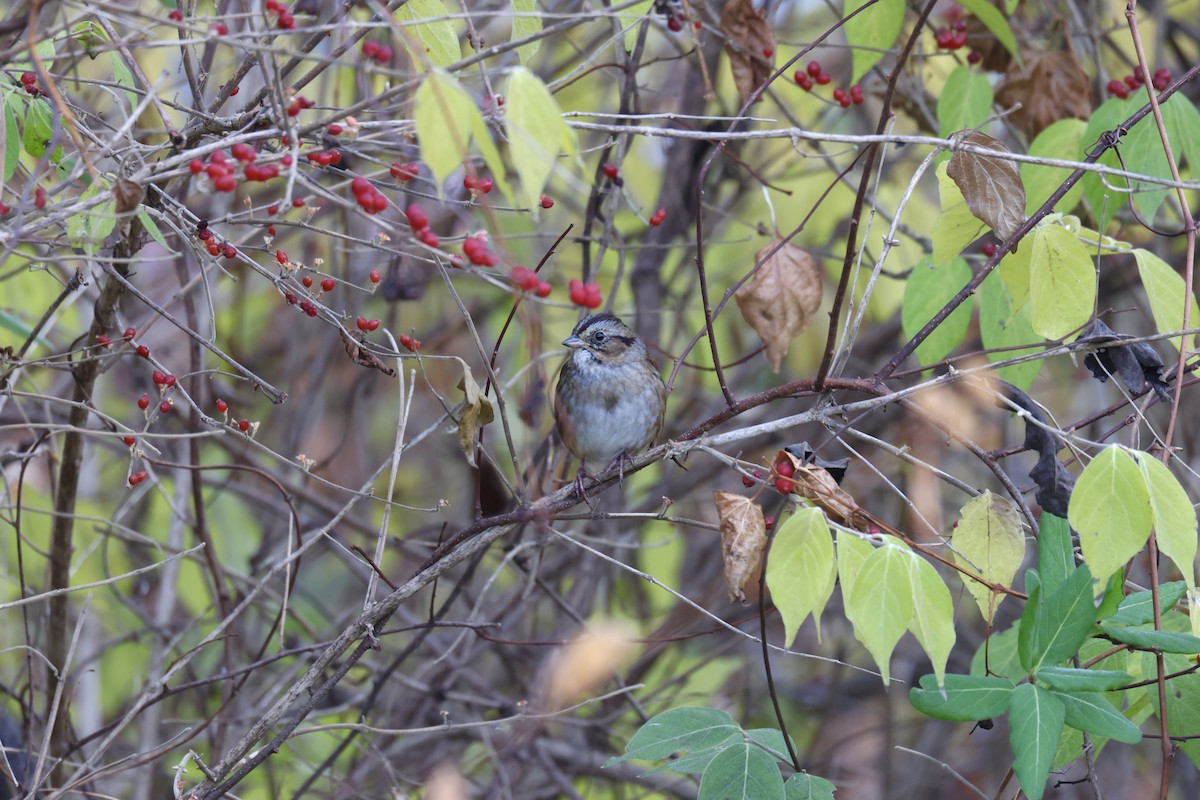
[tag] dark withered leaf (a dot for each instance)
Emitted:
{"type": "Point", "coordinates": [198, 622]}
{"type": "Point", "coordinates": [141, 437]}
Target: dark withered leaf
{"type": "Point", "coordinates": [750, 44]}
{"type": "Point", "coordinates": [127, 195]}
{"type": "Point", "coordinates": [1047, 87]}
{"type": "Point", "coordinates": [1054, 482]}
{"type": "Point", "coordinates": [991, 186]}
{"type": "Point", "coordinates": [1138, 365]}
{"type": "Point", "coordinates": [835, 467]}
{"type": "Point", "coordinates": [362, 356]}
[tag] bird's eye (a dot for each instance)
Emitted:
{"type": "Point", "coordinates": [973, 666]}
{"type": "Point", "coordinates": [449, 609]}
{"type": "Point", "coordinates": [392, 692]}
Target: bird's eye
{"type": "Point", "coordinates": [598, 337]}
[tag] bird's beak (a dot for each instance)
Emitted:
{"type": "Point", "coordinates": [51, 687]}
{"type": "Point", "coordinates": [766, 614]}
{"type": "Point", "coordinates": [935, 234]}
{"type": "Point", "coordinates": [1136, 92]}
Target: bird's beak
{"type": "Point", "coordinates": [573, 342]}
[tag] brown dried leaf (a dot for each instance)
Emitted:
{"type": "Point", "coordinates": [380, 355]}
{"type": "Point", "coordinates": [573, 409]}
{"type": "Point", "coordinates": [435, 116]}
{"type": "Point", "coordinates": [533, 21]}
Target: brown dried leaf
{"type": "Point", "coordinates": [743, 539]}
{"type": "Point", "coordinates": [362, 356]}
{"type": "Point", "coordinates": [782, 298]}
{"type": "Point", "coordinates": [127, 194]}
{"type": "Point", "coordinates": [1049, 87]}
{"type": "Point", "coordinates": [816, 484]}
{"type": "Point", "coordinates": [476, 412]}
{"type": "Point", "coordinates": [750, 43]}
{"type": "Point", "coordinates": [991, 186]}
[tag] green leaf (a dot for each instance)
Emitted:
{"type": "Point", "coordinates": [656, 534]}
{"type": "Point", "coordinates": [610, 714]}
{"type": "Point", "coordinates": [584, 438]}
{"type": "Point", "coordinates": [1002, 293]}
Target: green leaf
{"type": "Point", "coordinates": [956, 227]}
{"type": "Point", "coordinates": [1110, 508]}
{"type": "Point", "coordinates": [965, 101]}
{"type": "Point", "coordinates": [428, 22]}
{"type": "Point", "coordinates": [88, 229]}
{"type": "Point", "coordinates": [1183, 701]}
{"type": "Point", "coordinates": [12, 136]}
{"type": "Point", "coordinates": [1143, 152]}
{"type": "Point", "coordinates": [882, 599]}
{"type": "Point", "coordinates": [998, 656]}
{"type": "Point", "coordinates": [872, 33]}
{"type": "Point", "coordinates": [1091, 713]}
{"type": "Point", "coordinates": [967, 698]}
{"type": "Point", "coordinates": [1061, 140]}
{"type": "Point", "coordinates": [680, 730]}
{"type": "Point", "coordinates": [1035, 720]}
{"type": "Point", "coordinates": [1166, 290]}
{"type": "Point", "coordinates": [39, 126]}
{"type": "Point", "coordinates": [1174, 516]}
{"type": "Point", "coordinates": [152, 228]}
{"type": "Point", "coordinates": [123, 76]}
{"type": "Point", "coordinates": [1002, 326]}
{"type": "Point", "coordinates": [852, 551]}
{"type": "Point", "coordinates": [1060, 623]}
{"type": "Point", "coordinates": [741, 772]}
{"type": "Point", "coordinates": [933, 614]}
{"type": "Point", "coordinates": [989, 542]}
{"type": "Point", "coordinates": [537, 133]}
{"type": "Point", "coordinates": [926, 291]}
{"type": "Point", "coordinates": [1014, 271]}
{"type": "Point", "coordinates": [1146, 639]}
{"type": "Point", "coordinates": [1056, 556]}
{"type": "Point", "coordinates": [526, 21]}
{"type": "Point", "coordinates": [803, 786]}
{"type": "Point", "coordinates": [1104, 203]}
{"type": "Point", "coordinates": [1070, 679]}
{"type": "Point", "coordinates": [45, 50]}
{"type": "Point", "coordinates": [1138, 608]}
{"type": "Point", "coordinates": [1111, 596]}
{"type": "Point", "coordinates": [1062, 282]}
{"type": "Point", "coordinates": [446, 120]}
{"type": "Point", "coordinates": [995, 22]}
{"type": "Point", "coordinates": [1183, 126]}
{"type": "Point", "coordinates": [802, 570]}
{"type": "Point", "coordinates": [630, 19]}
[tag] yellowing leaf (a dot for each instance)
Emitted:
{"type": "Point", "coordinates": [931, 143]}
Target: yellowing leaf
{"type": "Point", "coordinates": [1059, 140]}
{"type": "Point", "coordinates": [749, 38]}
{"type": "Point", "coordinates": [526, 21]}
{"type": "Point", "coordinates": [991, 186]}
{"type": "Point", "coordinates": [882, 598]}
{"type": "Point", "coordinates": [781, 298]}
{"type": "Point", "coordinates": [1174, 516]}
{"type": "Point", "coordinates": [933, 615]}
{"type": "Point", "coordinates": [801, 570]}
{"type": "Point", "coordinates": [476, 412]}
{"type": "Point", "coordinates": [852, 551]}
{"type": "Point", "coordinates": [1062, 282]}
{"type": "Point", "coordinates": [743, 538]}
{"type": "Point", "coordinates": [1110, 507]}
{"type": "Point", "coordinates": [990, 543]}
{"type": "Point", "coordinates": [631, 19]}
{"type": "Point", "coordinates": [446, 120]}
{"type": "Point", "coordinates": [429, 23]}
{"type": "Point", "coordinates": [872, 33]}
{"type": "Point", "coordinates": [537, 133]}
{"type": "Point", "coordinates": [1166, 291]}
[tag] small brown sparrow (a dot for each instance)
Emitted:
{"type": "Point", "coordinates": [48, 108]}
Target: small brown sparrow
{"type": "Point", "coordinates": [610, 399]}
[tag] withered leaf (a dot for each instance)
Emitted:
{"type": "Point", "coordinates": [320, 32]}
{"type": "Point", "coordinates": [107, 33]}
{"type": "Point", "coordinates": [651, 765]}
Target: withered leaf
{"type": "Point", "coordinates": [743, 539]}
{"type": "Point", "coordinates": [1048, 87]}
{"type": "Point", "coordinates": [476, 412]}
{"type": "Point", "coordinates": [362, 356]}
{"type": "Point", "coordinates": [127, 195]}
{"type": "Point", "coordinates": [1054, 482]}
{"type": "Point", "coordinates": [816, 484]}
{"type": "Point", "coordinates": [991, 186]}
{"type": "Point", "coordinates": [1138, 364]}
{"type": "Point", "coordinates": [750, 43]}
{"type": "Point", "coordinates": [782, 297]}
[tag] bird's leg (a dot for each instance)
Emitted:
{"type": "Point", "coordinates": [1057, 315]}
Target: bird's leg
{"type": "Point", "coordinates": [579, 476]}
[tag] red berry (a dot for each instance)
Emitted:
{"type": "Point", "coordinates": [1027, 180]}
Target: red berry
{"type": "Point", "coordinates": [370, 48]}
{"type": "Point", "coordinates": [384, 54]}
{"type": "Point", "coordinates": [103, 341]}
{"type": "Point", "coordinates": [856, 93]}
{"type": "Point", "coordinates": [824, 78]}
{"type": "Point", "coordinates": [657, 217]}
{"type": "Point", "coordinates": [485, 185]}
{"type": "Point", "coordinates": [286, 161]}
{"type": "Point", "coordinates": [159, 378]}
{"type": "Point", "coordinates": [270, 230]}
{"type": "Point", "coordinates": [286, 21]}
{"type": "Point", "coordinates": [129, 441]}
{"type": "Point", "coordinates": [272, 209]}
{"type": "Point", "coordinates": [307, 281]}
{"type": "Point", "coordinates": [372, 325]}
{"type": "Point", "coordinates": [137, 477]}
{"type": "Point", "coordinates": [169, 381]}
{"type": "Point", "coordinates": [785, 469]}
{"type": "Point", "coordinates": [243, 152]}
{"type": "Point", "coordinates": [769, 522]}
{"type": "Point", "coordinates": [675, 24]}
{"type": "Point", "coordinates": [785, 485]}
{"type": "Point", "coordinates": [327, 285]}
{"type": "Point", "coordinates": [610, 171]}
{"type": "Point", "coordinates": [213, 248]}
{"type": "Point", "coordinates": [281, 257]}
{"type": "Point", "coordinates": [543, 289]}
{"type": "Point", "coordinates": [225, 183]}
{"type": "Point", "coordinates": [428, 237]}
{"type": "Point", "coordinates": [547, 202]}
{"type": "Point", "coordinates": [244, 425]}
{"type": "Point", "coordinates": [311, 310]}
{"type": "Point", "coordinates": [143, 351]}
{"type": "Point", "coordinates": [297, 202]}
{"type": "Point", "coordinates": [39, 197]}
{"type": "Point", "coordinates": [229, 251]}
{"type": "Point", "coordinates": [409, 342]}
{"type": "Point", "coordinates": [222, 406]}
{"type": "Point", "coordinates": [378, 203]}
{"type": "Point", "coordinates": [359, 186]}
{"type": "Point", "coordinates": [417, 217]}
{"type": "Point", "coordinates": [813, 69]}
{"type": "Point", "coordinates": [470, 182]}
{"type": "Point", "coordinates": [175, 16]}
{"type": "Point", "coordinates": [845, 102]}
{"type": "Point", "coordinates": [290, 298]}
{"type": "Point", "coordinates": [164, 407]}
{"type": "Point", "coordinates": [747, 481]}
{"type": "Point", "coordinates": [130, 332]}
{"type": "Point", "coordinates": [143, 402]}
{"type": "Point", "coordinates": [195, 166]}
{"type": "Point", "coordinates": [803, 81]}
{"type": "Point", "coordinates": [974, 57]}
{"type": "Point", "coordinates": [334, 129]}
{"type": "Point", "coordinates": [405, 172]}
{"type": "Point", "coordinates": [361, 322]}
{"type": "Point", "coordinates": [768, 52]}
{"type": "Point", "coordinates": [988, 249]}
{"type": "Point", "coordinates": [374, 276]}
{"type": "Point", "coordinates": [220, 29]}
{"type": "Point", "coordinates": [839, 94]}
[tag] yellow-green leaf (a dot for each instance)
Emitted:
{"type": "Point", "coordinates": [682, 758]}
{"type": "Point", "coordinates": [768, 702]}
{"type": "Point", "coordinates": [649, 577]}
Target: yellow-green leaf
{"type": "Point", "coordinates": [926, 291]}
{"type": "Point", "coordinates": [1059, 140]}
{"type": "Point", "coordinates": [1174, 516]}
{"type": "Point", "coordinates": [933, 614]}
{"type": "Point", "coordinates": [882, 599]}
{"type": "Point", "coordinates": [88, 229]}
{"type": "Point", "coordinates": [1110, 507]}
{"type": "Point", "coordinates": [537, 134]}
{"type": "Point", "coordinates": [801, 570]}
{"type": "Point", "coordinates": [956, 226]}
{"type": "Point", "coordinates": [630, 19]}
{"type": "Point", "coordinates": [428, 23]}
{"type": "Point", "coordinates": [1062, 282]}
{"type": "Point", "coordinates": [852, 551]}
{"type": "Point", "coordinates": [526, 21]}
{"type": "Point", "coordinates": [964, 102]}
{"type": "Point", "coordinates": [446, 120]}
{"type": "Point", "coordinates": [1166, 290]}
{"type": "Point", "coordinates": [990, 543]}
{"type": "Point", "coordinates": [872, 33]}
{"type": "Point", "coordinates": [1001, 325]}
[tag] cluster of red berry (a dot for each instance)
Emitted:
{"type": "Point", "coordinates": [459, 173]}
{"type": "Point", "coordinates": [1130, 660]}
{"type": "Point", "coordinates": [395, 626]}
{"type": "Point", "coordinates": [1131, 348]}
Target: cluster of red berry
{"type": "Point", "coordinates": [409, 343]}
{"type": "Point", "coordinates": [366, 325]}
{"type": "Point", "coordinates": [214, 245]}
{"type": "Point", "coordinates": [583, 294]}
{"type": "Point", "coordinates": [657, 217]}
{"type": "Point", "coordinates": [477, 251]}
{"type": "Point", "coordinates": [379, 53]}
{"type": "Point", "coordinates": [242, 425]}
{"type": "Point", "coordinates": [527, 281]}
{"type": "Point", "coordinates": [1131, 83]}
{"type": "Point", "coordinates": [810, 75]}
{"type": "Point", "coordinates": [369, 199]}
{"type": "Point", "coordinates": [223, 174]}
{"type": "Point", "coordinates": [612, 173]}
{"type": "Point", "coordinates": [477, 185]}
{"type": "Point", "coordinates": [29, 83]}
{"type": "Point", "coordinates": [405, 172]}
{"type": "Point", "coordinates": [219, 29]}
{"type": "Point", "coordinates": [298, 104]}
{"type": "Point", "coordinates": [952, 38]}
{"type": "Point", "coordinates": [323, 158]}
{"type": "Point", "coordinates": [419, 221]}
{"type": "Point", "coordinates": [284, 19]}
